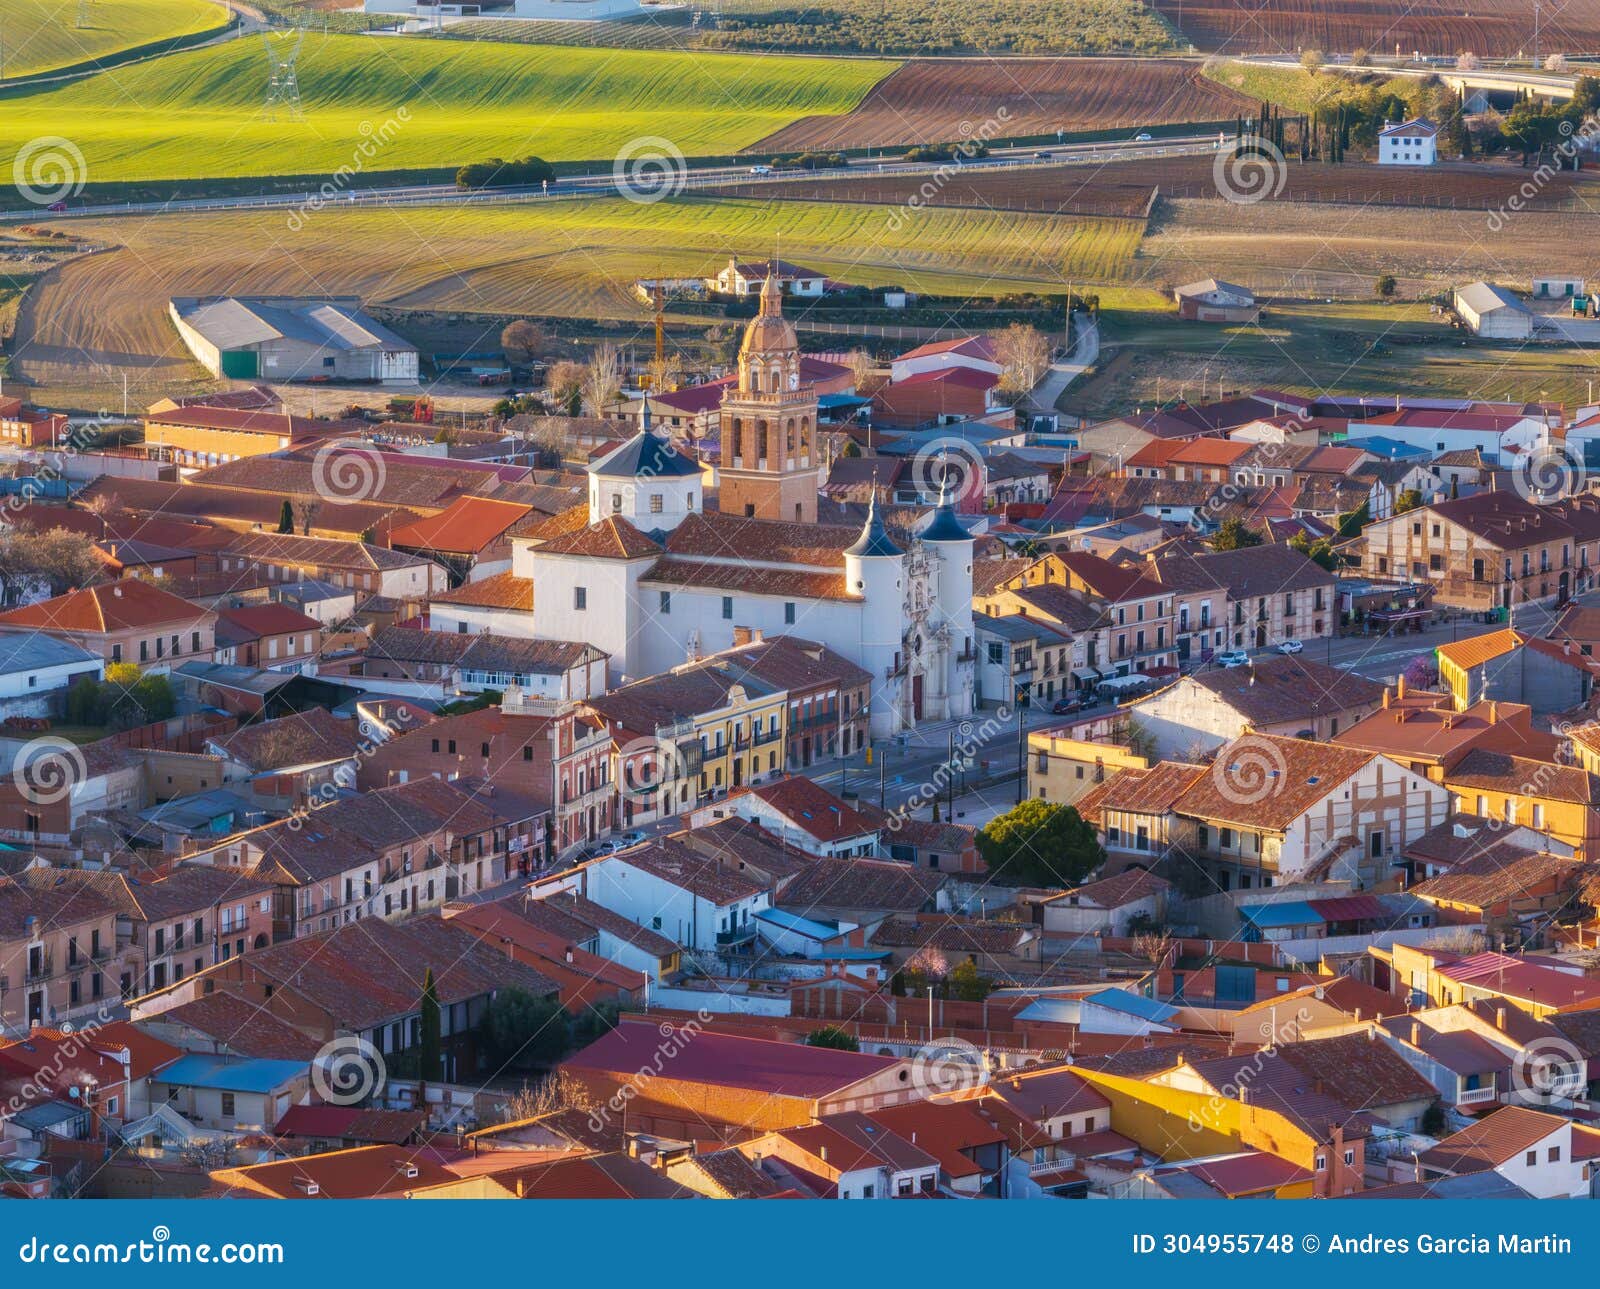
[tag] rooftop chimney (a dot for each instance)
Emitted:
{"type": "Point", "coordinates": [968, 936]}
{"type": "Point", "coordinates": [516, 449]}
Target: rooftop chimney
{"type": "Point", "coordinates": [1500, 1018]}
{"type": "Point", "coordinates": [1416, 1034]}
{"type": "Point", "coordinates": [1400, 686]}
{"type": "Point", "coordinates": [1386, 698]}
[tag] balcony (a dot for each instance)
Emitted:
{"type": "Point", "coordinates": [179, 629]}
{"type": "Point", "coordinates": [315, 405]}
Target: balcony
{"type": "Point", "coordinates": [768, 736]}
{"type": "Point", "coordinates": [739, 935]}
{"type": "Point", "coordinates": [41, 968]}
{"type": "Point", "coordinates": [1477, 1096]}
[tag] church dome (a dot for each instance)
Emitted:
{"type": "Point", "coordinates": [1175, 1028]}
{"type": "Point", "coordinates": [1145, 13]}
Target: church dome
{"type": "Point", "coordinates": [769, 331]}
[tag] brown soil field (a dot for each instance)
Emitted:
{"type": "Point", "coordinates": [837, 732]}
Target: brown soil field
{"type": "Point", "coordinates": [1284, 248]}
{"type": "Point", "coordinates": [1452, 185]}
{"type": "Point", "coordinates": [943, 100]}
{"type": "Point", "coordinates": [1067, 190]}
{"type": "Point", "coordinates": [1497, 28]}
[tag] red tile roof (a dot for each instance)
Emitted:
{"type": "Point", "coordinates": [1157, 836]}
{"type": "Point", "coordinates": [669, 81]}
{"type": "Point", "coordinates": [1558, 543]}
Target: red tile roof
{"type": "Point", "coordinates": [502, 591]}
{"type": "Point", "coordinates": [467, 526]}
{"type": "Point", "coordinates": [116, 606]}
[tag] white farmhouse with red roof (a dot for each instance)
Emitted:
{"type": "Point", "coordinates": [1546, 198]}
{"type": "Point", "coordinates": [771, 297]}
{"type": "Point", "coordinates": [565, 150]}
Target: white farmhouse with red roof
{"type": "Point", "coordinates": [1408, 143]}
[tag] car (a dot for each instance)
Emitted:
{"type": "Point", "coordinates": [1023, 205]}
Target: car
{"type": "Point", "coordinates": [1290, 646]}
{"type": "Point", "coordinates": [56, 207]}
{"type": "Point", "coordinates": [761, 170]}
{"type": "Point", "coordinates": [1233, 658]}
{"type": "Point", "coordinates": [1042, 156]}
{"type": "Point", "coordinates": [626, 839]}
{"type": "Point", "coordinates": [1066, 706]}
{"type": "Point", "coordinates": [1144, 136]}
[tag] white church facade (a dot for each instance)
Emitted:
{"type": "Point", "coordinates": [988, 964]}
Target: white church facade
{"type": "Point", "coordinates": [654, 579]}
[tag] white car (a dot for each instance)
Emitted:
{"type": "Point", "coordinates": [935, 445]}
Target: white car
{"type": "Point", "coordinates": [1290, 646]}
{"type": "Point", "coordinates": [1233, 658]}
{"type": "Point", "coordinates": [1144, 136]}
{"type": "Point", "coordinates": [761, 170]}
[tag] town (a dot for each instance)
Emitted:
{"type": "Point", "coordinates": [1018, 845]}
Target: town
{"type": "Point", "coordinates": [869, 674]}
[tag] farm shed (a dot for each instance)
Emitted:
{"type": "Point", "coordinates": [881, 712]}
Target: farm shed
{"type": "Point", "coordinates": [292, 338]}
{"type": "Point", "coordinates": [1556, 287]}
{"type": "Point", "coordinates": [1494, 312]}
{"type": "Point", "coordinates": [1212, 301]}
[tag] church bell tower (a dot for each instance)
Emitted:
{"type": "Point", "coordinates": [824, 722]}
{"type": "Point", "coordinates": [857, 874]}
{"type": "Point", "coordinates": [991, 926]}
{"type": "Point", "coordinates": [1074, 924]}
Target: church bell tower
{"type": "Point", "coordinates": [769, 424]}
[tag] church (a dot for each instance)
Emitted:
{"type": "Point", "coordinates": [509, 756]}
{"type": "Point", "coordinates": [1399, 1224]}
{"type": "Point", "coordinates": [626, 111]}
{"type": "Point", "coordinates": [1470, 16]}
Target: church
{"type": "Point", "coordinates": [648, 574]}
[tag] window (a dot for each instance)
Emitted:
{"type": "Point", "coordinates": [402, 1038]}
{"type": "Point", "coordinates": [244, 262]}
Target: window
{"type": "Point", "coordinates": [227, 1105]}
{"type": "Point", "coordinates": [788, 612]}
{"type": "Point", "coordinates": [1555, 1154]}
{"type": "Point", "coordinates": [727, 608]}
{"type": "Point", "coordinates": [1532, 1159]}
{"type": "Point", "coordinates": [1322, 1163]}
{"type": "Point", "coordinates": [666, 601]}
{"type": "Point", "coordinates": [616, 503]}
{"type": "Point", "coordinates": [656, 503]}
{"type": "Point", "coordinates": [996, 652]}
{"type": "Point", "coordinates": [580, 597]}
{"type": "Point", "coordinates": [1349, 1158]}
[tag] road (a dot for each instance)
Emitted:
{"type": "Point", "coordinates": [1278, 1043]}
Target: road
{"type": "Point", "coordinates": [687, 179]}
{"type": "Point", "coordinates": [1085, 353]}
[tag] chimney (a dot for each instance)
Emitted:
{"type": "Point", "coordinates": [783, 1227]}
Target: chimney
{"type": "Point", "coordinates": [822, 1153]}
{"type": "Point", "coordinates": [1494, 713]}
{"type": "Point", "coordinates": [1400, 686]}
{"type": "Point", "coordinates": [1416, 1034]}
{"type": "Point", "coordinates": [1386, 698]}
{"type": "Point", "coordinates": [1500, 1018]}
{"type": "Point", "coordinates": [1244, 1096]}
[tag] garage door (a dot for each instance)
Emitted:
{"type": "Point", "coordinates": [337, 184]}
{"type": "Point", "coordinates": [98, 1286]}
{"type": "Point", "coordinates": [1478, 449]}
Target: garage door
{"type": "Point", "coordinates": [241, 364]}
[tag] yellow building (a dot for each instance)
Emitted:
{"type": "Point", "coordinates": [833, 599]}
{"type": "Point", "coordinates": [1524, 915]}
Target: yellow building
{"type": "Point", "coordinates": [1062, 768]}
{"type": "Point", "coordinates": [1560, 800]}
{"type": "Point", "coordinates": [200, 437]}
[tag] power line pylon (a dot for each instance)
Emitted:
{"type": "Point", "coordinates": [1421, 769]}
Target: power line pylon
{"type": "Point", "coordinates": [283, 85]}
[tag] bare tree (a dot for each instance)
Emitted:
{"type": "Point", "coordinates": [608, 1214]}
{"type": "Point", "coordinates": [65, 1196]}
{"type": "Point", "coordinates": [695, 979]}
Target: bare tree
{"type": "Point", "coordinates": [563, 380]}
{"type": "Point", "coordinates": [67, 559]}
{"type": "Point", "coordinates": [557, 1091]}
{"type": "Point", "coordinates": [665, 372]}
{"type": "Point", "coordinates": [602, 378]}
{"type": "Point", "coordinates": [1467, 61]}
{"type": "Point", "coordinates": [523, 341]}
{"type": "Point", "coordinates": [1023, 353]}
{"type": "Point", "coordinates": [305, 512]}
{"type": "Point", "coordinates": [211, 1153]}
{"type": "Point", "coordinates": [1152, 947]}
{"type": "Point", "coordinates": [1312, 61]}
{"type": "Point", "coordinates": [863, 366]}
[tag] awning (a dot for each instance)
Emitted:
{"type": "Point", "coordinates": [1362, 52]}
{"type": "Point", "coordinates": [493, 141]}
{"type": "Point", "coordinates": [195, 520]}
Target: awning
{"type": "Point", "coordinates": [1087, 676]}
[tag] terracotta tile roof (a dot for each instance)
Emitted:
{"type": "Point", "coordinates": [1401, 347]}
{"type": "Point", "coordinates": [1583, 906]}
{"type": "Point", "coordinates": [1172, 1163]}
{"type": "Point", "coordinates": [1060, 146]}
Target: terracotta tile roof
{"type": "Point", "coordinates": [1154, 791]}
{"type": "Point", "coordinates": [501, 591]}
{"type": "Point", "coordinates": [1524, 777]}
{"type": "Point", "coordinates": [1362, 1071]}
{"type": "Point", "coordinates": [243, 1026]}
{"type": "Point", "coordinates": [1279, 690]}
{"type": "Point", "coordinates": [797, 665]}
{"type": "Point", "coordinates": [812, 808]}
{"type": "Point", "coordinates": [299, 738]}
{"type": "Point", "coordinates": [597, 1177]}
{"type": "Point", "coordinates": [1490, 879]}
{"type": "Point", "coordinates": [292, 548]}
{"type": "Point", "coordinates": [210, 416]}
{"type": "Point", "coordinates": [871, 884]}
{"type": "Point", "coordinates": [57, 897]}
{"type": "Point", "coordinates": [946, 1130]}
{"type": "Point", "coordinates": [797, 584]}
{"type": "Point", "coordinates": [1248, 573]}
{"type": "Point", "coordinates": [1495, 1139]}
{"type": "Point", "coordinates": [988, 574]}
{"type": "Point", "coordinates": [844, 1143]}
{"type": "Point", "coordinates": [1286, 1089]}
{"type": "Point", "coordinates": [1209, 451]}
{"type": "Point", "coordinates": [733, 1175]}
{"type": "Point", "coordinates": [176, 500]}
{"type": "Point", "coordinates": [116, 606]}
{"type": "Point", "coordinates": [1268, 782]}
{"type": "Point", "coordinates": [611, 538]}
{"type": "Point", "coordinates": [1125, 888]}
{"type": "Point", "coordinates": [352, 1123]}
{"type": "Point", "coordinates": [253, 621]}
{"type": "Point", "coordinates": [193, 889]}
{"type": "Point", "coordinates": [714, 535]}
{"type": "Point", "coordinates": [674, 863]}
{"type": "Point", "coordinates": [468, 526]}
{"type": "Point", "coordinates": [959, 935]}
{"type": "Point", "coordinates": [599, 918]}
{"type": "Point", "coordinates": [363, 1172]}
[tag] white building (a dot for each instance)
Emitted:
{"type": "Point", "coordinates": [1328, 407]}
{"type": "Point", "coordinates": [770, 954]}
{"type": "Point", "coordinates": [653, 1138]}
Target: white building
{"type": "Point", "coordinates": [37, 670]}
{"type": "Point", "coordinates": [1493, 311]}
{"type": "Point", "coordinates": [1409, 143]}
{"type": "Point", "coordinates": [683, 895]}
{"type": "Point", "coordinates": [1499, 436]}
{"type": "Point", "coordinates": [655, 580]}
{"type": "Point", "coordinates": [970, 353]}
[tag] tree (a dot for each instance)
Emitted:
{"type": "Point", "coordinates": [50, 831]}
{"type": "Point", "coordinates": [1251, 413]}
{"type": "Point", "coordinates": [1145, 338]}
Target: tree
{"type": "Point", "coordinates": [831, 1036]}
{"type": "Point", "coordinates": [564, 385]}
{"type": "Point", "coordinates": [1312, 61]}
{"type": "Point", "coordinates": [851, 449]}
{"type": "Point", "coordinates": [967, 984]}
{"type": "Point", "coordinates": [499, 173]}
{"type": "Point", "coordinates": [1409, 499]}
{"type": "Point", "coordinates": [1467, 62]}
{"type": "Point", "coordinates": [1385, 286]}
{"type": "Point", "coordinates": [430, 1060]}
{"type": "Point", "coordinates": [555, 1092]}
{"type": "Point", "coordinates": [1023, 353]}
{"type": "Point", "coordinates": [520, 1029]}
{"type": "Point", "coordinates": [65, 559]}
{"type": "Point", "coordinates": [862, 367]}
{"type": "Point", "coordinates": [602, 378]}
{"type": "Point", "coordinates": [286, 516]}
{"type": "Point", "coordinates": [1361, 58]}
{"type": "Point", "coordinates": [897, 985]}
{"type": "Point", "coordinates": [1556, 63]}
{"type": "Point", "coordinates": [306, 511]}
{"type": "Point", "coordinates": [154, 698]}
{"type": "Point", "coordinates": [523, 340]}
{"type": "Point", "coordinates": [1040, 843]}
{"type": "Point", "coordinates": [664, 373]}
{"type": "Point", "coordinates": [1233, 535]}
{"type": "Point", "coordinates": [925, 967]}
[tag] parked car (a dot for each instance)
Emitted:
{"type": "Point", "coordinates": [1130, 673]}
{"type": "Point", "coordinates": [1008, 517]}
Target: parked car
{"type": "Point", "coordinates": [1233, 658]}
{"type": "Point", "coordinates": [1066, 706]}
{"type": "Point", "coordinates": [624, 840]}
{"type": "Point", "coordinates": [1290, 646]}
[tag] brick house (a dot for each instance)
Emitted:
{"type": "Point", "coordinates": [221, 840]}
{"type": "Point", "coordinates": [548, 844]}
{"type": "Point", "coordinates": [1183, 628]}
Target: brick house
{"type": "Point", "coordinates": [126, 621]}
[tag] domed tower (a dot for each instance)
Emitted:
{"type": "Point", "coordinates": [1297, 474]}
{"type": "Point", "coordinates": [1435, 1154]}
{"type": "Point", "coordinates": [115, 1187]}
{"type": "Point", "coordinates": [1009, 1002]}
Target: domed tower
{"type": "Point", "coordinates": [874, 568]}
{"type": "Point", "coordinates": [769, 424]}
{"type": "Point", "coordinates": [951, 617]}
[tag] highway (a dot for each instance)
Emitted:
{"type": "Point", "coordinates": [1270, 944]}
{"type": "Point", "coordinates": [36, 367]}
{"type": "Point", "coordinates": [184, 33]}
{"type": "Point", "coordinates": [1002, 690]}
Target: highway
{"type": "Point", "coordinates": [680, 176]}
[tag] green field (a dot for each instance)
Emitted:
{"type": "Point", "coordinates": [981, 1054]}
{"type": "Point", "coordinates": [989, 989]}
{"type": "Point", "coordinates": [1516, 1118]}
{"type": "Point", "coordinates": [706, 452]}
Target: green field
{"type": "Point", "coordinates": [43, 34]}
{"type": "Point", "coordinates": [1360, 347]}
{"type": "Point", "coordinates": [377, 103]}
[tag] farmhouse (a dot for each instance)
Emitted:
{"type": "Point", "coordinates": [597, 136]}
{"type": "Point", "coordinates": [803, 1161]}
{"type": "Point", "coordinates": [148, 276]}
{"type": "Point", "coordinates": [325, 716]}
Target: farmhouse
{"type": "Point", "coordinates": [1209, 300]}
{"type": "Point", "coordinates": [1408, 143]}
{"type": "Point", "coordinates": [744, 279]}
{"type": "Point", "coordinates": [291, 338]}
{"type": "Point", "coordinates": [1493, 311]}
